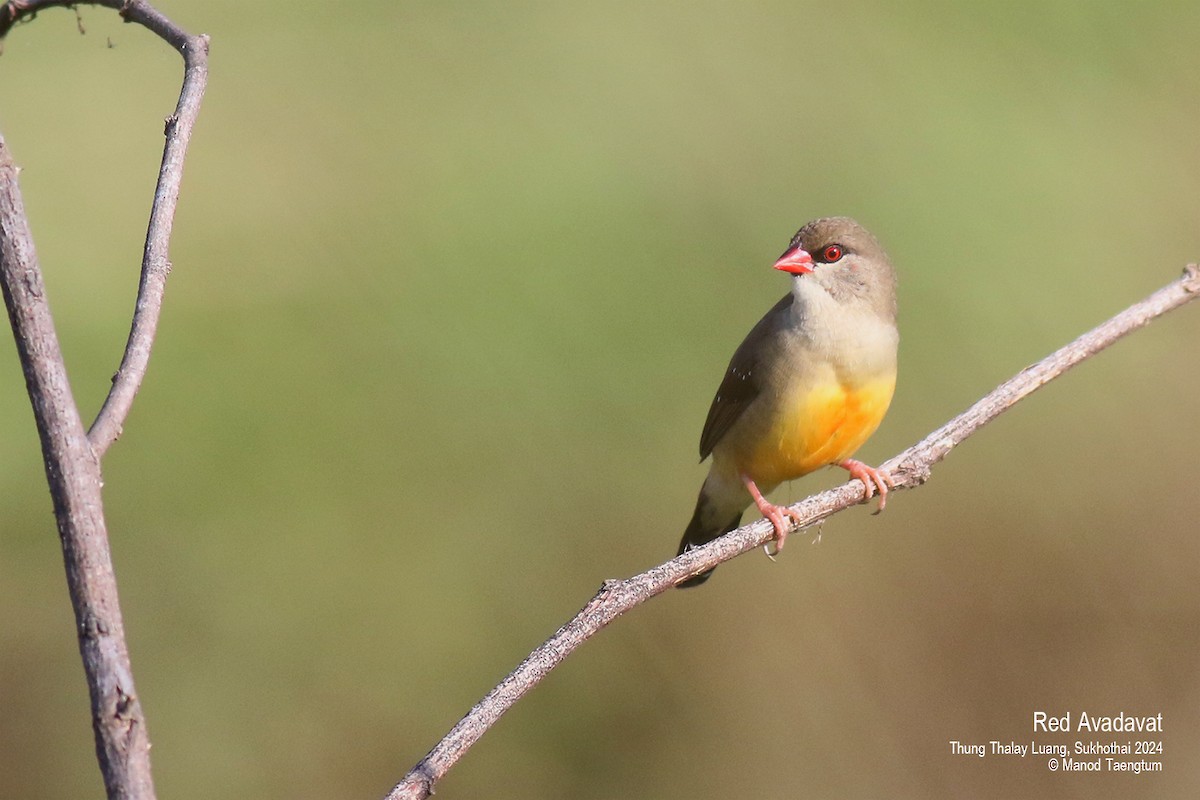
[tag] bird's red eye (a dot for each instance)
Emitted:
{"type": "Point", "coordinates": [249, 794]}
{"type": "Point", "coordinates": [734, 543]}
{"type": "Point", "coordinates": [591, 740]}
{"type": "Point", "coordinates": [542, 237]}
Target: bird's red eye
{"type": "Point", "coordinates": [831, 253]}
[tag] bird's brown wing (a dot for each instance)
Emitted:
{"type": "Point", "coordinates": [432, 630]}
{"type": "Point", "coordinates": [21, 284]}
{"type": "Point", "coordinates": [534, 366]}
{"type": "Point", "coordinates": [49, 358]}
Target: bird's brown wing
{"type": "Point", "coordinates": [742, 382]}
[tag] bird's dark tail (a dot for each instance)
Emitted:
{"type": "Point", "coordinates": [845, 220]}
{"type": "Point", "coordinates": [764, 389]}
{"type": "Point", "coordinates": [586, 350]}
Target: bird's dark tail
{"type": "Point", "coordinates": [701, 530]}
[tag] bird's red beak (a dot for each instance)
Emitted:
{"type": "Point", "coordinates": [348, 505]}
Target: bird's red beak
{"type": "Point", "coordinates": [795, 261]}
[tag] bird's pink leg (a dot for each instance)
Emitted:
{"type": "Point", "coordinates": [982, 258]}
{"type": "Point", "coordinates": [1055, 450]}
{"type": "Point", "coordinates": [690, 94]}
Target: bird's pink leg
{"type": "Point", "coordinates": [872, 479]}
{"type": "Point", "coordinates": [772, 512]}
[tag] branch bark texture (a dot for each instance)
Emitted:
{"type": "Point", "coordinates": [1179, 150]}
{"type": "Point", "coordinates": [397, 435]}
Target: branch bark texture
{"type": "Point", "coordinates": [155, 262]}
{"type": "Point", "coordinates": [910, 469]}
{"type": "Point", "coordinates": [71, 456]}
{"type": "Point", "coordinates": [73, 473]}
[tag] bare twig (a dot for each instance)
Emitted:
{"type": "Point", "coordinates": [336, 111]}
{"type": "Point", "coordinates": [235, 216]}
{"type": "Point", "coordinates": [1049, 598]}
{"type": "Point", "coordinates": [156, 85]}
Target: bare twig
{"type": "Point", "coordinates": [910, 468]}
{"type": "Point", "coordinates": [71, 456]}
{"type": "Point", "coordinates": [155, 262]}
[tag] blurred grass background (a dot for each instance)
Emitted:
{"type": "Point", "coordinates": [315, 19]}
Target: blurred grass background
{"type": "Point", "coordinates": [454, 283]}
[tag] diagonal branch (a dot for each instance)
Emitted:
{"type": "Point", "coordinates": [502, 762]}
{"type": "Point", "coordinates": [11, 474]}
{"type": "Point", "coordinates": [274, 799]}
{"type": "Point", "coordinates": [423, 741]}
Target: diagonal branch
{"type": "Point", "coordinates": [910, 469]}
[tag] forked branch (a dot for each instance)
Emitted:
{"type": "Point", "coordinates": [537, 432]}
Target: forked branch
{"type": "Point", "coordinates": [71, 456]}
{"type": "Point", "coordinates": [910, 469]}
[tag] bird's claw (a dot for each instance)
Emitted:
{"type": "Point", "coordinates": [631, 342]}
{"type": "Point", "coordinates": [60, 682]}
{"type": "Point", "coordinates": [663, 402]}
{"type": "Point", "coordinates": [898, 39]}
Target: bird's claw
{"type": "Point", "coordinates": [873, 479]}
{"type": "Point", "coordinates": [776, 515]}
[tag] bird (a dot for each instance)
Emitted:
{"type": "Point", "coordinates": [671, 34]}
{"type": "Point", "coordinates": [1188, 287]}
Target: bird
{"type": "Point", "coordinates": [808, 385]}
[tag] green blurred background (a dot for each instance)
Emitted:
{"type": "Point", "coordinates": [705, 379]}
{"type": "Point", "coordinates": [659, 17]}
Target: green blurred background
{"type": "Point", "coordinates": [453, 285]}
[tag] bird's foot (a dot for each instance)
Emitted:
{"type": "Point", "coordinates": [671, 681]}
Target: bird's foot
{"type": "Point", "coordinates": [782, 528]}
{"type": "Point", "coordinates": [873, 479]}
{"type": "Point", "coordinates": [776, 514]}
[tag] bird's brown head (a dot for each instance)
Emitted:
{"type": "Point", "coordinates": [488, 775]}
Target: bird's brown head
{"type": "Point", "coordinates": [844, 258]}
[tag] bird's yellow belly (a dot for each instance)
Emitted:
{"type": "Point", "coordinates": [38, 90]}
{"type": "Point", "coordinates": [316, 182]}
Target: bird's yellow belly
{"type": "Point", "coordinates": [817, 426]}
